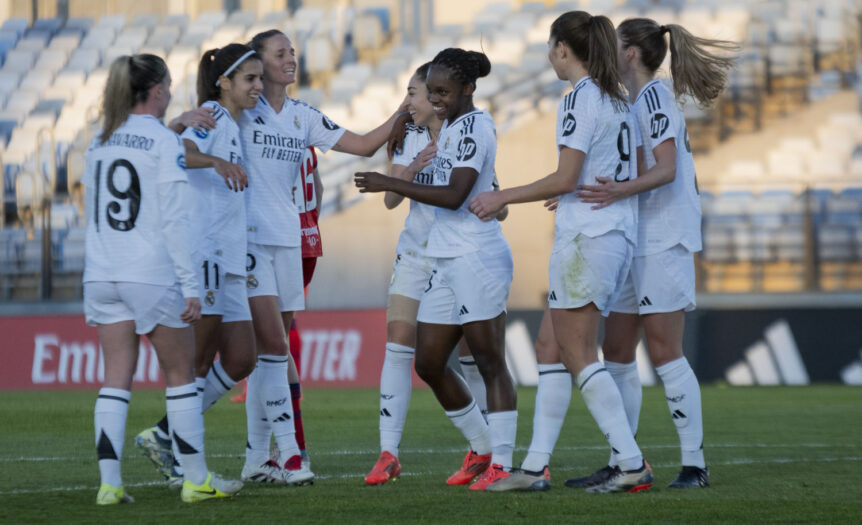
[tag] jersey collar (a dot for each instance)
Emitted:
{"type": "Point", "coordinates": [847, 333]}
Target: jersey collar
{"type": "Point", "coordinates": [462, 117]}
{"type": "Point", "coordinates": [646, 86]}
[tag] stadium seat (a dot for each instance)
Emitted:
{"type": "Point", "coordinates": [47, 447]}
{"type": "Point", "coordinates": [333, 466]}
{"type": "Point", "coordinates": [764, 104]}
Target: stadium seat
{"type": "Point", "coordinates": [30, 43]}
{"type": "Point", "coordinates": [15, 25]}
{"type": "Point", "coordinates": [20, 60]}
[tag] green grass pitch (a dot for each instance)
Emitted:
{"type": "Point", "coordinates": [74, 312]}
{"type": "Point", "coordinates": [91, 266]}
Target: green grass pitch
{"type": "Point", "coordinates": [775, 455]}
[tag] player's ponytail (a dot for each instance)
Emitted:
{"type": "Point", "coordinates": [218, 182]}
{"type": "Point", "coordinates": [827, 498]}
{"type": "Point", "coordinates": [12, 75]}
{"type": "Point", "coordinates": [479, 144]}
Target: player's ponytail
{"type": "Point", "coordinates": [129, 82]}
{"type": "Point", "coordinates": [217, 62]}
{"type": "Point", "coordinates": [593, 41]}
{"type": "Point", "coordinates": [696, 70]}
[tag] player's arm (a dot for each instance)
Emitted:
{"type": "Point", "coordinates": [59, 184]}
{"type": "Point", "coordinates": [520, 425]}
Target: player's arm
{"type": "Point", "coordinates": [318, 189]}
{"type": "Point", "coordinates": [366, 145]}
{"type": "Point", "coordinates": [451, 196]}
{"type": "Point", "coordinates": [423, 159]}
{"type": "Point", "coordinates": [198, 118]}
{"type": "Point", "coordinates": [608, 191]}
{"type": "Point", "coordinates": [564, 180]}
{"type": "Point", "coordinates": [233, 174]}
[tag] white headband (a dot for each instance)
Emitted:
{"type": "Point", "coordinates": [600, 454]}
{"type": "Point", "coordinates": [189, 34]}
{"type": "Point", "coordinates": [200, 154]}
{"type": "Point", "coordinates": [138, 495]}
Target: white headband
{"type": "Point", "coordinates": [235, 65]}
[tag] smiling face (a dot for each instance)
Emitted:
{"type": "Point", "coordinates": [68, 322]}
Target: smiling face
{"type": "Point", "coordinates": [243, 89]}
{"type": "Point", "coordinates": [417, 102]}
{"type": "Point", "coordinates": [279, 61]}
{"type": "Point", "coordinates": [449, 98]}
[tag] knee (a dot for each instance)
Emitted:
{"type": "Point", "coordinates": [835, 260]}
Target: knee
{"type": "Point", "coordinates": [490, 365]}
{"type": "Point", "coordinates": [239, 367]}
{"type": "Point", "coordinates": [428, 370]}
{"type": "Point", "coordinates": [274, 344]}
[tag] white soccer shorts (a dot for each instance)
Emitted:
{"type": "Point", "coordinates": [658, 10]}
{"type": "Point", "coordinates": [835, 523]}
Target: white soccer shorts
{"type": "Point", "coordinates": [589, 270]}
{"type": "Point", "coordinates": [410, 275]}
{"type": "Point", "coordinates": [659, 283]}
{"type": "Point", "coordinates": [147, 305]}
{"type": "Point", "coordinates": [276, 270]}
{"type": "Point", "coordinates": [472, 287]}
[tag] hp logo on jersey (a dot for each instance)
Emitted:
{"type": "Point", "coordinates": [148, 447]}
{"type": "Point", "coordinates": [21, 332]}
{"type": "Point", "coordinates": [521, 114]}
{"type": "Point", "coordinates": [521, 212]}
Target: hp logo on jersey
{"type": "Point", "coordinates": [181, 160]}
{"type": "Point", "coordinates": [466, 149]}
{"type": "Point", "coordinates": [658, 125]}
{"type": "Point", "coordinates": [201, 133]}
{"type": "Point", "coordinates": [569, 125]}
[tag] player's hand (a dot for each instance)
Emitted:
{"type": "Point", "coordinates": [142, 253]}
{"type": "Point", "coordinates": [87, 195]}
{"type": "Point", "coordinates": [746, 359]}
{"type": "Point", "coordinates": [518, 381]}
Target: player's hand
{"type": "Point", "coordinates": [424, 158]}
{"type": "Point", "coordinates": [198, 118]}
{"type": "Point", "coordinates": [603, 194]}
{"type": "Point", "coordinates": [551, 204]}
{"type": "Point", "coordinates": [486, 205]}
{"type": "Point", "coordinates": [192, 312]}
{"type": "Point", "coordinates": [370, 182]}
{"type": "Point", "coordinates": [233, 174]}
{"type": "Point", "coordinates": [395, 143]}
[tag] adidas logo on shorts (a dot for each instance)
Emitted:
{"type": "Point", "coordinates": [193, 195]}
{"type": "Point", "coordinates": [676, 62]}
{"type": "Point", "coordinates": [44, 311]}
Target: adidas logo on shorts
{"type": "Point", "coordinates": [464, 310]}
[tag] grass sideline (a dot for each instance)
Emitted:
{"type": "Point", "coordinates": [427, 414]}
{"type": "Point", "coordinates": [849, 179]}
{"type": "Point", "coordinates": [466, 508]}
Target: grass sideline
{"type": "Point", "coordinates": [775, 454]}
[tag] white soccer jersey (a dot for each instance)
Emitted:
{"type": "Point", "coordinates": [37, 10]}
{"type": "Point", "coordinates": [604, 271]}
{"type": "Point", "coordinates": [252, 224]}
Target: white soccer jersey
{"type": "Point", "coordinates": [217, 212]}
{"type": "Point", "coordinates": [417, 225]}
{"type": "Point", "coordinates": [470, 141]}
{"type": "Point", "coordinates": [126, 229]}
{"type": "Point", "coordinates": [605, 131]}
{"type": "Point", "coordinates": [669, 214]}
{"type": "Point", "coordinates": [274, 146]}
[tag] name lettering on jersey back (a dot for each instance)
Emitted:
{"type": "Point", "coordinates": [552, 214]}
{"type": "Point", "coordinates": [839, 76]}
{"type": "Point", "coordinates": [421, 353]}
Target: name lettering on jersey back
{"type": "Point", "coordinates": [128, 140]}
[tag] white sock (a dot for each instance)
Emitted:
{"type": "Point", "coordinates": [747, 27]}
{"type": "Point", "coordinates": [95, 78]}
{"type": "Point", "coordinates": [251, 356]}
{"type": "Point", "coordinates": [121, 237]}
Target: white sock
{"type": "Point", "coordinates": [217, 384]}
{"type": "Point", "coordinates": [683, 398]}
{"type": "Point", "coordinates": [628, 382]}
{"type": "Point", "coordinates": [502, 427]}
{"type": "Point", "coordinates": [472, 425]}
{"type": "Point", "coordinates": [187, 430]}
{"type": "Point", "coordinates": [112, 407]}
{"type": "Point", "coordinates": [395, 389]}
{"type": "Point", "coordinates": [257, 446]}
{"type": "Point", "coordinates": [606, 406]}
{"type": "Point", "coordinates": [475, 383]}
{"type": "Point", "coordinates": [552, 402]}
{"type": "Point", "coordinates": [275, 399]}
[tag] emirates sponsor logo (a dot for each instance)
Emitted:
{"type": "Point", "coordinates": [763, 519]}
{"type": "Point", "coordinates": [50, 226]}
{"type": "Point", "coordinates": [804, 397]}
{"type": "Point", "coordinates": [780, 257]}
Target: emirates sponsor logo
{"type": "Point", "coordinates": [56, 361]}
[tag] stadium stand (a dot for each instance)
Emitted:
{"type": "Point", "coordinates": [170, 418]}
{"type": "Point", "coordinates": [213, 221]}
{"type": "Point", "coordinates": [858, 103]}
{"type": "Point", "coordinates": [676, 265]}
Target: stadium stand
{"type": "Point", "coordinates": [790, 219]}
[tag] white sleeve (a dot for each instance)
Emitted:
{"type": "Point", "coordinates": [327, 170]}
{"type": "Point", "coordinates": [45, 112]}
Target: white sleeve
{"type": "Point", "coordinates": [175, 227]}
{"type": "Point", "coordinates": [323, 133]}
{"type": "Point", "coordinates": [473, 146]}
{"type": "Point", "coordinates": [409, 151]}
{"type": "Point", "coordinates": [582, 126]}
{"type": "Point", "coordinates": [658, 111]}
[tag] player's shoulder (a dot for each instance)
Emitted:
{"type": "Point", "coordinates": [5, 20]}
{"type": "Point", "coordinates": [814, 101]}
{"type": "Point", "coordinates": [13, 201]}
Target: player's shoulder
{"type": "Point", "coordinates": [310, 113]}
{"type": "Point", "coordinates": [655, 97]}
{"type": "Point", "coordinates": [476, 122]}
{"type": "Point", "coordinates": [581, 96]}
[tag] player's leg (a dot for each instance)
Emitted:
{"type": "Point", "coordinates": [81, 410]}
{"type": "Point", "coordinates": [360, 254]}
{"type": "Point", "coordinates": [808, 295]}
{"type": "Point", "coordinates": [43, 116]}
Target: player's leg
{"type": "Point", "coordinates": [471, 374]}
{"type": "Point", "coordinates": [664, 334]}
{"type": "Point", "coordinates": [119, 344]}
{"type": "Point", "coordinates": [434, 345]}
{"type": "Point", "coordinates": [576, 306]}
{"type": "Point", "coordinates": [294, 339]}
{"type": "Point", "coordinates": [553, 395]}
{"type": "Point", "coordinates": [621, 337]}
{"type": "Point", "coordinates": [410, 277]}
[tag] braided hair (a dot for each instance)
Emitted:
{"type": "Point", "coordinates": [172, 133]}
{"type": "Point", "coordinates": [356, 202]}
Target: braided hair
{"type": "Point", "coordinates": [465, 66]}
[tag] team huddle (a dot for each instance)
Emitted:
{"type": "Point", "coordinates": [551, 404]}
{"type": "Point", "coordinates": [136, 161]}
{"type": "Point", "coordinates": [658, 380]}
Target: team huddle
{"type": "Point", "coordinates": [196, 240]}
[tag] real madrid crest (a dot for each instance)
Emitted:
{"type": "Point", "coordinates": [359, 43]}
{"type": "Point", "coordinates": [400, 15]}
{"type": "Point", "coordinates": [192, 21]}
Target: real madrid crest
{"type": "Point", "coordinates": [296, 122]}
{"type": "Point", "coordinates": [251, 282]}
{"type": "Point", "coordinates": [210, 298]}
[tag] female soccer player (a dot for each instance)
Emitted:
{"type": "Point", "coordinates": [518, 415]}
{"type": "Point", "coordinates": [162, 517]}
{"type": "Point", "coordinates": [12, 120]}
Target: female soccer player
{"type": "Point", "coordinates": [472, 269]}
{"type": "Point", "coordinates": [592, 248]}
{"type": "Point", "coordinates": [229, 81]}
{"type": "Point", "coordinates": [660, 286]}
{"type": "Point", "coordinates": [410, 275]}
{"type": "Point", "coordinates": [138, 277]}
{"type": "Point", "coordinates": [275, 135]}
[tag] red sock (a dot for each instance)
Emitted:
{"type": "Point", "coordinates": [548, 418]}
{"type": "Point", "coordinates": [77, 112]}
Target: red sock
{"type": "Point", "coordinates": [295, 389]}
{"type": "Point", "coordinates": [295, 397]}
